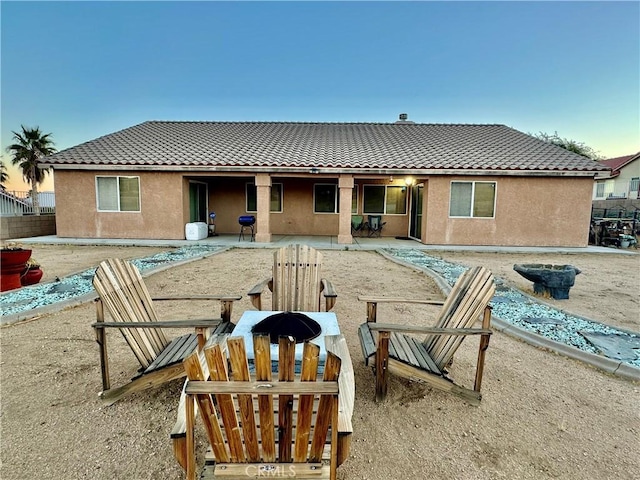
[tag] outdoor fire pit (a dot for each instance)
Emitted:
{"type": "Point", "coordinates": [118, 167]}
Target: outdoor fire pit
{"type": "Point", "coordinates": [553, 280]}
{"type": "Point", "coordinates": [287, 324]}
{"type": "Point", "coordinates": [303, 326]}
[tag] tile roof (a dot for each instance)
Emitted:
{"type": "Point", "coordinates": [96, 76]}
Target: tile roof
{"type": "Point", "coordinates": [615, 164]}
{"type": "Point", "coordinates": [366, 146]}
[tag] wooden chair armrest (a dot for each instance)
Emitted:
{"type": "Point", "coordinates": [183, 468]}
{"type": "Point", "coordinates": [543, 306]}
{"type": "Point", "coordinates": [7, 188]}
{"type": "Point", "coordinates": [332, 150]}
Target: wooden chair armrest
{"type": "Point", "coordinates": [255, 294]}
{"type": "Point", "coordinates": [330, 294]}
{"type": "Point", "coordinates": [372, 304]}
{"type": "Point", "coordinates": [328, 290]}
{"type": "Point", "coordinates": [424, 301]}
{"type": "Point", "coordinates": [389, 327]}
{"type": "Point", "coordinates": [196, 323]}
{"type": "Point", "coordinates": [225, 298]}
{"type": "Point", "coordinates": [259, 288]}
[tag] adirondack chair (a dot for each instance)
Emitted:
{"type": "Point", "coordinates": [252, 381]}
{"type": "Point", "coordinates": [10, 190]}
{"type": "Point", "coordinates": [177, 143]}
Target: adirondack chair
{"type": "Point", "coordinates": [375, 224]}
{"type": "Point", "coordinates": [296, 284]}
{"type": "Point", "coordinates": [404, 355]}
{"type": "Point", "coordinates": [121, 289]}
{"type": "Point", "coordinates": [261, 426]}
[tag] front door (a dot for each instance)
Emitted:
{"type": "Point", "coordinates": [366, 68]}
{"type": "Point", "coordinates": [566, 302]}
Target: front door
{"type": "Point", "coordinates": [198, 195]}
{"type": "Point", "coordinates": [415, 224]}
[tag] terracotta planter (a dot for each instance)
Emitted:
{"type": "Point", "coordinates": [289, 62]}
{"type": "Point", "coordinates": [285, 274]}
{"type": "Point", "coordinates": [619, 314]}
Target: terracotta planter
{"type": "Point", "coordinates": [32, 276]}
{"type": "Point", "coordinates": [12, 264]}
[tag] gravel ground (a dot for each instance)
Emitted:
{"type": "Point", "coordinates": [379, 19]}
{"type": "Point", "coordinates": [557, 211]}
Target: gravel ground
{"type": "Point", "coordinates": [542, 415]}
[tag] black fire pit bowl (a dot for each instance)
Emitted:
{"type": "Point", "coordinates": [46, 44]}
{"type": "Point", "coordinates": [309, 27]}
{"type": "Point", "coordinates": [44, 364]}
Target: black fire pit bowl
{"type": "Point", "coordinates": [288, 324]}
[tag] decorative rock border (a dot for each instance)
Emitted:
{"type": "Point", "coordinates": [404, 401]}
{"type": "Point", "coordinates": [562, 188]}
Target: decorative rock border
{"type": "Point", "coordinates": [37, 300]}
{"type": "Point", "coordinates": [509, 307]}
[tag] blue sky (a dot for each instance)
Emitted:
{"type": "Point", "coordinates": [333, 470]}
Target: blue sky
{"type": "Point", "coordinates": [81, 70]}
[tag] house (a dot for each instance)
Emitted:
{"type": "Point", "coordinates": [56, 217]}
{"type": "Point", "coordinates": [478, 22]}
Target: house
{"type": "Point", "coordinates": [453, 184]}
{"type": "Point", "coordinates": [623, 182]}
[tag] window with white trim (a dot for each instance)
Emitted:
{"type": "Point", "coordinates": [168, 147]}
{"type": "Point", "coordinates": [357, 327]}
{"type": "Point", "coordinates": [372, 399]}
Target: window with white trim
{"type": "Point", "coordinates": [118, 194]}
{"type": "Point", "coordinates": [599, 189]}
{"type": "Point", "coordinates": [634, 184]}
{"type": "Point", "coordinates": [472, 199]}
{"type": "Point", "coordinates": [384, 199]}
{"type": "Point", "coordinates": [252, 197]}
{"type": "Point", "coordinates": [325, 198]}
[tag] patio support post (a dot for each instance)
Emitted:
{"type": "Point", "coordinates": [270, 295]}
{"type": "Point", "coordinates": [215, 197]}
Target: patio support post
{"type": "Point", "coordinates": [263, 193]}
{"type": "Point", "coordinates": [345, 184]}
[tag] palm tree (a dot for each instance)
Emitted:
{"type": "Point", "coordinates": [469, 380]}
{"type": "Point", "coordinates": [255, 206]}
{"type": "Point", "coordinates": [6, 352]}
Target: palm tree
{"type": "Point", "coordinates": [31, 145]}
{"type": "Point", "coordinates": [4, 176]}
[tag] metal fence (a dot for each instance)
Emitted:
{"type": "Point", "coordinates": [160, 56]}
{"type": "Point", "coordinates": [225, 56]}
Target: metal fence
{"type": "Point", "coordinates": [20, 203]}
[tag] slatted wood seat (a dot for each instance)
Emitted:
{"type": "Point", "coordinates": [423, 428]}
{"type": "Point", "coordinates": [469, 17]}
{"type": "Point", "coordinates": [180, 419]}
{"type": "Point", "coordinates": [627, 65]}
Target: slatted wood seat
{"type": "Point", "coordinates": [296, 284]}
{"type": "Point", "coordinates": [122, 291]}
{"type": "Point", "coordinates": [396, 351]}
{"type": "Point", "coordinates": [259, 426]}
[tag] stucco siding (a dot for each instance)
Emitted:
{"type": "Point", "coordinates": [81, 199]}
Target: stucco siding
{"type": "Point", "coordinates": [529, 211]}
{"type": "Point", "coordinates": [161, 214]}
{"type": "Point", "coordinates": [542, 211]}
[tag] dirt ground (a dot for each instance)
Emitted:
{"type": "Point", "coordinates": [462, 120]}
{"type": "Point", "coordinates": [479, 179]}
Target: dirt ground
{"type": "Point", "coordinates": [542, 415]}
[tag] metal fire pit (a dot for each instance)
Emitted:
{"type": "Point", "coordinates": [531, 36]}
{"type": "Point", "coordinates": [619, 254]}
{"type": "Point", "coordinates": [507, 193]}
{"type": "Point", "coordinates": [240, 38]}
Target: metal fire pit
{"type": "Point", "coordinates": [288, 324]}
{"type": "Point", "coordinates": [327, 321]}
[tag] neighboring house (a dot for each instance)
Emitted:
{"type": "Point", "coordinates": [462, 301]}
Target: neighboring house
{"type": "Point", "coordinates": [623, 182]}
{"type": "Point", "coordinates": [440, 184]}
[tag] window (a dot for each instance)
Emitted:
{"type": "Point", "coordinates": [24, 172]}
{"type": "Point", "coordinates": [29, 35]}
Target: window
{"type": "Point", "coordinates": [118, 194]}
{"type": "Point", "coordinates": [472, 199]}
{"type": "Point", "coordinates": [381, 199]}
{"type": "Point", "coordinates": [276, 197]}
{"type": "Point", "coordinates": [599, 189]}
{"type": "Point", "coordinates": [325, 198]}
{"type": "Point", "coordinates": [634, 184]}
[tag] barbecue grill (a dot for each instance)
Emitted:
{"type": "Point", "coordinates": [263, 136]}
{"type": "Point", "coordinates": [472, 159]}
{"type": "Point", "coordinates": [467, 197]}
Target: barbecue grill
{"type": "Point", "coordinates": [247, 223]}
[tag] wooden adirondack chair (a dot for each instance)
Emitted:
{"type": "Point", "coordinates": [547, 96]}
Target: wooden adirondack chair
{"type": "Point", "coordinates": [263, 427]}
{"type": "Point", "coordinates": [427, 361]}
{"type": "Point", "coordinates": [296, 284]}
{"type": "Point", "coordinates": [121, 289]}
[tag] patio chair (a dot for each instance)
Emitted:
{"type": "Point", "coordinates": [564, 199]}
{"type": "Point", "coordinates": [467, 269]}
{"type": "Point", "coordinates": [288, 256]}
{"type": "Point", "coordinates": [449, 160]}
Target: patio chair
{"type": "Point", "coordinates": [427, 360]}
{"type": "Point", "coordinates": [358, 225]}
{"type": "Point", "coordinates": [121, 289]}
{"type": "Point", "coordinates": [260, 426]}
{"type": "Point", "coordinates": [295, 284]}
{"type": "Point", "coordinates": [374, 225]}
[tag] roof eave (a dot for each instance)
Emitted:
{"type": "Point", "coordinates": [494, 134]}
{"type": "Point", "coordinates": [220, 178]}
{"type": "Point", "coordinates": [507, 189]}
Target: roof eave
{"type": "Point", "coordinates": [331, 170]}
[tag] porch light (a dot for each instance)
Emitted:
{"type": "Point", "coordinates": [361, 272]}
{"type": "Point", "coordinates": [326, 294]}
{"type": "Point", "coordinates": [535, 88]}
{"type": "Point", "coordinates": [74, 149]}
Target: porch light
{"type": "Point", "coordinates": [409, 181]}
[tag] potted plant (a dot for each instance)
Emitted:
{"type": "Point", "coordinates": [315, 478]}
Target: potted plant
{"type": "Point", "coordinates": [32, 273]}
{"type": "Point", "coordinates": [13, 260]}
